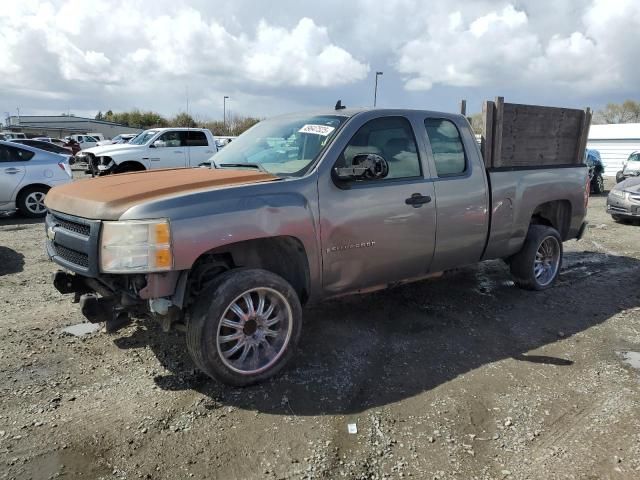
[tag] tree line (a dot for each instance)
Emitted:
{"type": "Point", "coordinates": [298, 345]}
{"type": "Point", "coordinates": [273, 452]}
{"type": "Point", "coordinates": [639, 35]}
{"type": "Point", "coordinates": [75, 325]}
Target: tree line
{"type": "Point", "coordinates": [235, 124]}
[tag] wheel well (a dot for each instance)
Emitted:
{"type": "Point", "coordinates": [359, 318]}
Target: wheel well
{"type": "Point", "coordinates": [556, 214]}
{"type": "Point", "coordinates": [130, 166]}
{"type": "Point", "coordinates": [45, 187]}
{"type": "Point", "coordinates": [284, 256]}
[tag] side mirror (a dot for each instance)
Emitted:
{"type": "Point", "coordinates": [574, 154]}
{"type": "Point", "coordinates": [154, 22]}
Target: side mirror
{"type": "Point", "coordinates": [365, 166]}
{"type": "Point", "coordinates": [158, 144]}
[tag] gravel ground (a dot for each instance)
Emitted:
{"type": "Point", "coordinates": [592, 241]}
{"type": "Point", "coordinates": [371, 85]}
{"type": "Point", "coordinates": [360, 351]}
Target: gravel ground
{"type": "Point", "coordinates": [463, 377]}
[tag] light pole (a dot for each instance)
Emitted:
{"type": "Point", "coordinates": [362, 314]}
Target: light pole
{"type": "Point", "coordinates": [375, 90]}
{"type": "Point", "coordinates": [224, 111]}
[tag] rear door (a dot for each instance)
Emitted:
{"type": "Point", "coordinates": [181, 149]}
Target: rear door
{"type": "Point", "coordinates": [13, 163]}
{"type": "Point", "coordinates": [374, 232]}
{"type": "Point", "coordinates": [170, 150]}
{"type": "Point", "coordinates": [461, 192]}
{"type": "Point", "coordinates": [198, 148]}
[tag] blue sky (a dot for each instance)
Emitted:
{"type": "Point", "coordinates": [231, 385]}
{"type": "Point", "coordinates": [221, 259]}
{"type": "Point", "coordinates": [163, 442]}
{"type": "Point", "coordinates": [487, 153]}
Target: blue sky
{"type": "Point", "coordinates": [280, 56]}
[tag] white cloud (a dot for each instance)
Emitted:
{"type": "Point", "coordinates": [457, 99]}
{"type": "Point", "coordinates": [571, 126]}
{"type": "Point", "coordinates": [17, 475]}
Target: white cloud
{"type": "Point", "coordinates": [268, 56]}
{"type": "Point", "coordinates": [505, 47]}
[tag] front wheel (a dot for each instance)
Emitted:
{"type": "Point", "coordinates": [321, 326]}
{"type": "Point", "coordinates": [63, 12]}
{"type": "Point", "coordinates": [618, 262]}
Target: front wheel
{"type": "Point", "coordinates": [537, 264]}
{"type": "Point", "coordinates": [246, 329]}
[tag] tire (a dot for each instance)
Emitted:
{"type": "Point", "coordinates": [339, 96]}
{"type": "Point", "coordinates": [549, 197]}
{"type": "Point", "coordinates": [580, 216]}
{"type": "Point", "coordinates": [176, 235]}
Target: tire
{"type": "Point", "coordinates": [252, 354]}
{"type": "Point", "coordinates": [30, 202]}
{"type": "Point", "coordinates": [597, 184]}
{"type": "Point", "coordinates": [537, 264]}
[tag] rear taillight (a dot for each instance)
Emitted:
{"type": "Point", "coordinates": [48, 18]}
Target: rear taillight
{"type": "Point", "coordinates": [587, 191]}
{"type": "Point", "coordinates": [66, 168]}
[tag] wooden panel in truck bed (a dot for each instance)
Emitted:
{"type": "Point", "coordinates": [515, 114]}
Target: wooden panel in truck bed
{"type": "Point", "coordinates": [525, 136]}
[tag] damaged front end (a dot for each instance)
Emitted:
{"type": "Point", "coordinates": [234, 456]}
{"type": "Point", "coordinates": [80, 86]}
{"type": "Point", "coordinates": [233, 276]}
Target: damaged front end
{"type": "Point", "coordinates": [101, 261]}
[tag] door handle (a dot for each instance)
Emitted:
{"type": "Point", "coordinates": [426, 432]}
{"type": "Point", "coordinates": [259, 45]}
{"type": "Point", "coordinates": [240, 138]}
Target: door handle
{"type": "Point", "coordinates": [12, 170]}
{"type": "Point", "coordinates": [417, 200]}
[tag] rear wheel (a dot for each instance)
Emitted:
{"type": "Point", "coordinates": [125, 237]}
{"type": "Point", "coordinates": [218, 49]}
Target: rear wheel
{"type": "Point", "coordinates": [246, 328]}
{"type": "Point", "coordinates": [597, 184]}
{"type": "Point", "coordinates": [537, 264]}
{"type": "Point", "coordinates": [30, 202]}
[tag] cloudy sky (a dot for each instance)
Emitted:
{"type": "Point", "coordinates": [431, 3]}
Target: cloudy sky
{"type": "Point", "coordinates": [276, 56]}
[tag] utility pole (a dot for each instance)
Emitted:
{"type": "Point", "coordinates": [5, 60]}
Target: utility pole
{"type": "Point", "coordinates": [224, 111]}
{"type": "Point", "coordinates": [375, 89]}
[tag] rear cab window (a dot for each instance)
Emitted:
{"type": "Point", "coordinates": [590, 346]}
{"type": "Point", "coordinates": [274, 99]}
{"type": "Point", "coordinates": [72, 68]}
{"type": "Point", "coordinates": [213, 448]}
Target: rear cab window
{"type": "Point", "coordinates": [446, 145]}
{"type": "Point", "coordinates": [196, 138]}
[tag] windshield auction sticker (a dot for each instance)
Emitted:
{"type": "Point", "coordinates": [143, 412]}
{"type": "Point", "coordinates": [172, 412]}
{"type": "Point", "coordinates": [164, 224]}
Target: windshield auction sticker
{"type": "Point", "coordinates": [323, 130]}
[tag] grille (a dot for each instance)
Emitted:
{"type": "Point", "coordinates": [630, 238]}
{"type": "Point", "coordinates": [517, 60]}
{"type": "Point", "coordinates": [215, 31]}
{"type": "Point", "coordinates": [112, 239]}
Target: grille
{"type": "Point", "coordinates": [73, 226]}
{"type": "Point", "coordinates": [71, 256]}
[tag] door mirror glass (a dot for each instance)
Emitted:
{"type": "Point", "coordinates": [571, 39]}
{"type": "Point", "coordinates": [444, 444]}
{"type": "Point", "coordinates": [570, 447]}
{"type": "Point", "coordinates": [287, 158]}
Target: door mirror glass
{"type": "Point", "coordinates": [365, 166]}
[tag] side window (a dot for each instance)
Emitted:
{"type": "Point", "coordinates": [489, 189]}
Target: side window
{"type": "Point", "coordinates": [196, 139]}
{"type": "Point", "coordinates": [171, 139]}
{"type": "Point", "coordinates": [390, 137]}
{"type": "Point", "coordinates": [12, 154]}
{"type": "Point", "coordinates": [446, 145]}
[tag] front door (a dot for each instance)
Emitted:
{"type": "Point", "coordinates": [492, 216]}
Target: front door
{"type": "Point", "coordinates": [12, 170]}
{"type": "Point", "coordinates": [170, 150]}
{"type": "Point", "coordinates": [374, 232]}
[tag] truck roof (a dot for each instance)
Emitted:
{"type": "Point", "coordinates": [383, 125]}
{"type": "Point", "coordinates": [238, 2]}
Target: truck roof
{"type": "Point", "coordinates": [350, 112]}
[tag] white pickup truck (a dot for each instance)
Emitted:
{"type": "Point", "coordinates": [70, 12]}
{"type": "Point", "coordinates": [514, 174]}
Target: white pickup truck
{"type": "Point", "coordinates": [154, 148]}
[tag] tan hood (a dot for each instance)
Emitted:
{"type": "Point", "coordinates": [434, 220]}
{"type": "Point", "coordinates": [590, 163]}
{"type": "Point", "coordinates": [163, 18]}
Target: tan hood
{"type": "Point", "coordinates": [107, 198]}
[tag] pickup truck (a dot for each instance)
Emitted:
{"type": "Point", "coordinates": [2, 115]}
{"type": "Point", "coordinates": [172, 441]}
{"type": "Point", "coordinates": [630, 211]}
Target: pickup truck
{"type": "Point", "coordinates": [298, 209]}
{"type": "Point", "coordinates": [154, 148]}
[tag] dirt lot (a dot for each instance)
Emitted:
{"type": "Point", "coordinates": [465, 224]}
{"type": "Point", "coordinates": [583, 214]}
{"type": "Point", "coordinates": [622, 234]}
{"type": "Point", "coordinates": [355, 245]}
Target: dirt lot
{"type": "Point", "coordinates": [462, 377]}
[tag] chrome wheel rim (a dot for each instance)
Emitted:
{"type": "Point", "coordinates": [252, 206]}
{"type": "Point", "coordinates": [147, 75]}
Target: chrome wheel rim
{"type": "Point", "coordinates": [254, 331]}
{"type": "Point", "coordinates": [35, 202]}
{"type": "Point", "coordinates": [547, 261]}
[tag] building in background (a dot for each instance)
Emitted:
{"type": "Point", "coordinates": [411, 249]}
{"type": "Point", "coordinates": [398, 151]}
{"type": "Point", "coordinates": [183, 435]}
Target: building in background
{"type": "Point", "coordinates": [58, 126]}
{"type": "Point", "coordinates": [615, 142]}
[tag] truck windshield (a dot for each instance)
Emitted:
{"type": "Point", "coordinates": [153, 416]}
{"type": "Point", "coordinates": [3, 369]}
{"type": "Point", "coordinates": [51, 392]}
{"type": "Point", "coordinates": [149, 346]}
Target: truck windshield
{"type": "Point", "coordinates": [143, 138]}
{"type": "Point", "coordinates": [284, 146]}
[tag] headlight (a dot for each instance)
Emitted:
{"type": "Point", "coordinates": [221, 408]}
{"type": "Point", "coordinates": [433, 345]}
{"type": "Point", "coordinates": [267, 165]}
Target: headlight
{"type": "Point", "coordinates": [617, 193]}
{"type": "Point", "coordinates": [136, 246]}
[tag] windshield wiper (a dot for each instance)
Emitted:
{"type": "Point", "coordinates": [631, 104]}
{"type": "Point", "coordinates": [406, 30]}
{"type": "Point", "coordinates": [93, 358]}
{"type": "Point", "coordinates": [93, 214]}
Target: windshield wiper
{"type": "Point", "coordinates": [236, 165]}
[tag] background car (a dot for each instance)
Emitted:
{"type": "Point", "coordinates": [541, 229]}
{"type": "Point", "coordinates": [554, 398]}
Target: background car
{"type": "Point", "coordinates": [26, 175]}
{"type": "Point", "coordinates": [43, 145]}
{"type": "Point", "coordinates": [118, 139]}
{"type": "Point", "coordinates": [623, 202]}
{"type": "Point", "coordinates": [630, 168]}
{"type": "Point", "coordinates": [596, 170]}
{"type": "Point", "coordinates": [84, 141]}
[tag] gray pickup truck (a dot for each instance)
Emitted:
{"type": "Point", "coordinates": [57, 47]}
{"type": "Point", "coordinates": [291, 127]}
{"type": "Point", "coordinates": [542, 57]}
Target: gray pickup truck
{"type": "Point", "coordinates": [299, 209]}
